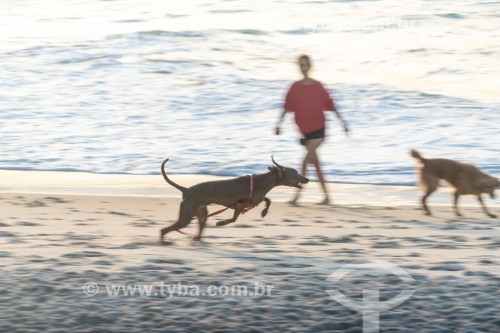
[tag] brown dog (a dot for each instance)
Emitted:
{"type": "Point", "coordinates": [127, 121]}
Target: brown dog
{"type": "Point", "coordinates": [465, 178]}
{"type": "Point", "coordinates": [236, 193]}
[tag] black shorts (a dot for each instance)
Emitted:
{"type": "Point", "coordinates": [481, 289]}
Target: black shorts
{"type": "Point", "coordinates": [318, 134]}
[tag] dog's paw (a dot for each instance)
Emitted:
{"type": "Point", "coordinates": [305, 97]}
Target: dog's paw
{"type": "Point", "coordinates": [196, 241]}
{"type": "Point", "coordinates": [492, 216]}
{"type": "Point", "coordinates": [220, 223]}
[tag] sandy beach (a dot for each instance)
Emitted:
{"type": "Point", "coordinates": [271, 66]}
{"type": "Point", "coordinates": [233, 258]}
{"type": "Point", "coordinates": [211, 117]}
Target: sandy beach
{"type": "Point", "coordinates": [81, 253]}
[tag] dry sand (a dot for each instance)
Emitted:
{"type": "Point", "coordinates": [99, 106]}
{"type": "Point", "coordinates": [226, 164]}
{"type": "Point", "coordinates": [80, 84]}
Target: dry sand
{"type": "Point", "coordinates": [63, 231]}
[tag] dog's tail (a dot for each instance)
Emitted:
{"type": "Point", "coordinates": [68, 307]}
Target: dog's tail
{"type": "Point", "coordinates": [416, 154]}
{"type": "Point", "coordinates": [177, 186]}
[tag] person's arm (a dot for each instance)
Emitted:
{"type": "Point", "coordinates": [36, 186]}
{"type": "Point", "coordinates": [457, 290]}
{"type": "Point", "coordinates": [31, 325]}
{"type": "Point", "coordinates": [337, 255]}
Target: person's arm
{"type": "Point", "coordinates": [330, 106]}
{"type": "Point", "coordinates": [280, 120]}
{"type": "Point", "coordinates": [344, 123]}
{"type": "Point", "coordinates": [287, 107]}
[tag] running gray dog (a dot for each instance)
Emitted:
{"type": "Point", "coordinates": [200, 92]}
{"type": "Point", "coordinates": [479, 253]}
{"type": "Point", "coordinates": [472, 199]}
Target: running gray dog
{"type": "Point", "coordinates": [240, 194]}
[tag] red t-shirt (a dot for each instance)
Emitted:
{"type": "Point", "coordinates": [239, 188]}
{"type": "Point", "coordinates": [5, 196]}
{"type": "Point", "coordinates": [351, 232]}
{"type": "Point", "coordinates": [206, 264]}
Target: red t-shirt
{"type": "Point", "coordinates": [308, 103]}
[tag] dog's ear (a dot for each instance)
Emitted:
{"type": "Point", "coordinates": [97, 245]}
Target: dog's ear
{"type": "Point", "coordinates": [276, 169]}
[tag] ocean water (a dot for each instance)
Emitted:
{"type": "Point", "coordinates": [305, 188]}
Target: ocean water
{"type": "Point", "coordinates": [117, 86]}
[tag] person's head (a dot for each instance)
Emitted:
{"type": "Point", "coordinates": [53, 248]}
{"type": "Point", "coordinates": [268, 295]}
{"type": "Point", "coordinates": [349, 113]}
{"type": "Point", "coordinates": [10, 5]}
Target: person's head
{"type": "Point", "coordinates": [304, 64]}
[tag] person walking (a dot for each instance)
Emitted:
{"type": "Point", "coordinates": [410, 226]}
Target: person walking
{"type": "Point", "coordinates": [308, 99]}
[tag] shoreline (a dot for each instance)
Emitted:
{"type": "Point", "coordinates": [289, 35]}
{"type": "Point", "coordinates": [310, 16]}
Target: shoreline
{"type": "Point", "coordinates": [127, 185]}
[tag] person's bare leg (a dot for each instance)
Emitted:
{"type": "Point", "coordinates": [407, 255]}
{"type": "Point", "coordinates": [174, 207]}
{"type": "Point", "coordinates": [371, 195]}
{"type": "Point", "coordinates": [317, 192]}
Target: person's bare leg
{"type": "Point", "coordinates": [312, 158]}
{"type": "Point", "coordinates": [312, 146]}
{"type": "Point", "coordinates": [321, 179]}
{"type": "Point", "coordinates": [304, 172]}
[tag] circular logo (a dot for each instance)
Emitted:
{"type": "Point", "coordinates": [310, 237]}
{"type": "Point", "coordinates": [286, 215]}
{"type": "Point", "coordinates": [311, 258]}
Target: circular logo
{"type": "Point", "coordinates": [90, 288]}
{"type": "Point", "coordinates": [371, 305]}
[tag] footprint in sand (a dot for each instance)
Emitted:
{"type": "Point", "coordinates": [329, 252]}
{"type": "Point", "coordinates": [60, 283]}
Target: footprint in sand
{"type": "Point", "coordinates": [36, 203]}
{"type": "Point", "coordinates": [167, 261]}
{"type": "Point", "coordinates": [143, 223]}
{"type": "Point", "coordinates": [84, 254]}
{"type": "Point", "coordinates": [56, 200]}
{"type": "Point", "coordinates": [27, 224]}
{"type": "Point", "coordinates": [448, 266]}
{"type": "Point", "coordinates": [7, 234]}
{"type": "Point", "coordinates": [118, 213]}
{"type": "Point", "coordinates": [386, 245]}
{"type": "Point", "coordinates": [130, 246]}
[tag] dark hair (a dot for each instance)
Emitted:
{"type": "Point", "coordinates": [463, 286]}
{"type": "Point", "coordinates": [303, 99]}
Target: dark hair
{"type": "Point", "coordinates": [306, 57]}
